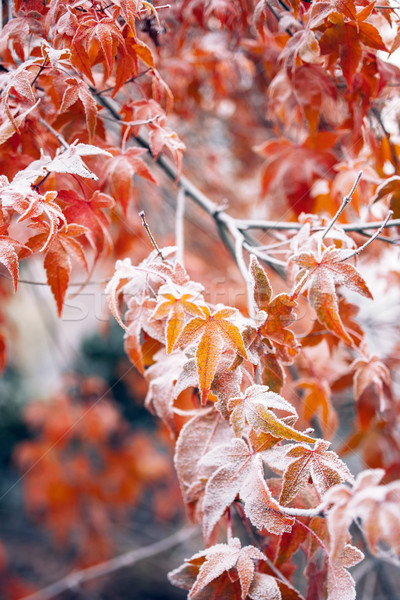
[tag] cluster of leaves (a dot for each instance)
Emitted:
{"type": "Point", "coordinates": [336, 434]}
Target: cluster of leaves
{"type": "Point", "coordinates": [238, 424]}
{"type": "Point", "coordinates": [238, 391]}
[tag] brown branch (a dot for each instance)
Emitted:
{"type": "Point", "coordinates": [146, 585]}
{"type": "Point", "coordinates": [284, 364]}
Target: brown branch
{"type": "Point", "coordinates": [75, 579]}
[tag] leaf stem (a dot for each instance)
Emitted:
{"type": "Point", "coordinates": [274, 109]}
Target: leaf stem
{"type": "Point", "coordinates": [311, 532]}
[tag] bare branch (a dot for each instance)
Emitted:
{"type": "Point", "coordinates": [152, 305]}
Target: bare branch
{"type": "Point", "coordinates": [59, 137]}
{"type": "Point", "coordinates": [239, 243]}
{"type": "Point", "coordinates": [179, 224]}
{"type": "Point", "coordinates": [345, 202]}
{"type": "Point", "coordinates": [147, 228]}
{"type": "Point", "coordinates": [371, 239]}
{"type": "Point", "coordinates": [318, 511]}
{"type": "Point", "coordinates": [73, 580]}
{"type": "Point", "coordinates": [245, 224]}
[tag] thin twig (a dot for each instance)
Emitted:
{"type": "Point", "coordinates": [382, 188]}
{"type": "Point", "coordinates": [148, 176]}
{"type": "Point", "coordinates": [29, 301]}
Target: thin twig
{"type": "Point", "coordinates": [73, 580]}
{"type": "Point", "coordinates": [42, 66]}
{"type": "Point", "coordinates": [278, 18]}
{"type": "Point", "coordinates": [147, 228]}
{"type": "Point", "coordinates": [345, 202]}
{"type": "Point", "coordinates": [371, 239]}
{"type": "Point", "coordinates": [315, 536]}
{"type": "Point", "coordinates": [131, 123]}
{"type": "Point", "coordinates": [110, 89]}
{"type": "Point", "coordinates": [179, 224]}
{"type": "Point", "coordinates": [264, 255]}
{"type": "Point", "coordinates": [59, 137]}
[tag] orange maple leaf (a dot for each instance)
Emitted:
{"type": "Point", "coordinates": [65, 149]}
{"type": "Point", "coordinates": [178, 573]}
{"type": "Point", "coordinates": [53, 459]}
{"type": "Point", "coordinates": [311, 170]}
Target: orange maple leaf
{"type": "Point", "coordinates": [174, 310]}
{"type": "Point", "coordinates": [57, 260]}
{"type": "Point", "coordinates": [216, 332]}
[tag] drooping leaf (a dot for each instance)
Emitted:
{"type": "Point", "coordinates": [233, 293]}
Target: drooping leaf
{"type": "Point", "coordinates": [216, 332]}
{"type": "Point", "coordinates": [371, 372]}
{"type": "Point", "coordinates": [138, 319]}
{"type": "Point", "coordinates": [317, 401]}
{"type": "Point", "coordinates": [57, 261]}
{"type": "Point", "coordinates": [321, 275]}
{"type": "Point", "coordinates": [119, 172]}
{"type": "Point", "coordinates": [78, 90]}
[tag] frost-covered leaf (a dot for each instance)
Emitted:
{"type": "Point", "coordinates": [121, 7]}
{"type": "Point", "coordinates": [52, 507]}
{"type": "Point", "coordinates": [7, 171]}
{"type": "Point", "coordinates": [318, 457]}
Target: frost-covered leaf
{"type": "Point", "coordinates": [137, 319]}
{"type": "Point", "coordinates": [197, 437]}
{"type": "Point", "coordinates": [145, 279]}
{"type": "Point", "coordinates": [203, 568]}
{"type": "Point", "coordinates": [262, 290]}
{"type": "Point", "coordinates": [70, 161]}
{"type": "Point", "coordinates": [163, 375]}
{"type": "Point", "coordinates": [9, 256]}
{"type": "Point", "coordinates": [260, 507]}
{"type": "Point", "coordinates": [173, 306]}
{"type": "Point", "coordinates": [91, 214]}
{"type": "Point", "coordinates": [340, 584]}
{"type": "Point", "coordinates": [321, 274]}
{"type": "Point", "coordinates": [216, 332]}
{"type": "Point", "coordinates": [368, 372]}
{"type": "Point", "coordinates": [238, 471]}
{"type": "Point", "coordinates": [234, 462]}
{"type": "Point", "coordinates": [322, 465]}
{"type": "Point", "coordinates": [374, 506]}
{"type": "Point", "coordinates": [59, 251]}
{"type": "Point", "coordinates": [255, 409]}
